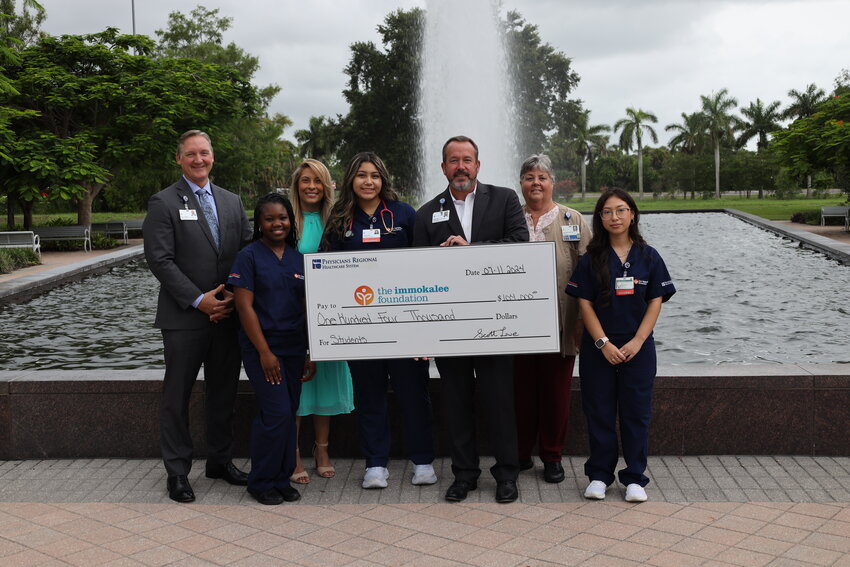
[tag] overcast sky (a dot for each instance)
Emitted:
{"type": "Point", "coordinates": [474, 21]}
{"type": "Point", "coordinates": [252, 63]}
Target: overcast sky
{"type": "Point", "coordinates": [656, 55]}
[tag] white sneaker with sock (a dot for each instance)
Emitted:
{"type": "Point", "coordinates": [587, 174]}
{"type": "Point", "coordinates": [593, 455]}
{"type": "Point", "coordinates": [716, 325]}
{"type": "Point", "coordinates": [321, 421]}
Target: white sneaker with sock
{"type": "Point", "coordinates": [595, 490]}
{"type": "Point", "coordinates": [376, 477]}
{"type": "Point", "coordinates": [424, 474]}
{"type": "Point", "coordinates": [635, 493]}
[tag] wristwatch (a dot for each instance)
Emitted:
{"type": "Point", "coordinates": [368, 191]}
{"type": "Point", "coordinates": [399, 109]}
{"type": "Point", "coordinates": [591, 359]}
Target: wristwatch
{"type": "Point", "coordinates": [600, 342]}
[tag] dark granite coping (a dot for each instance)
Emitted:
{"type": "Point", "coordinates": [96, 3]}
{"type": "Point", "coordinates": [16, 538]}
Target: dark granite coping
{"type": "Point", "coordinates": [724, 376]}
{"type": "Point", "coordinates": [26, 287]}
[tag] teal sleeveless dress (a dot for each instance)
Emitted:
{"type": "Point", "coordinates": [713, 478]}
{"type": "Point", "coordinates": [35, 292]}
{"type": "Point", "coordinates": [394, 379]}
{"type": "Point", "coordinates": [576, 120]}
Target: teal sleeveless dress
{"type": "Point", "coordinates": [330, 391]}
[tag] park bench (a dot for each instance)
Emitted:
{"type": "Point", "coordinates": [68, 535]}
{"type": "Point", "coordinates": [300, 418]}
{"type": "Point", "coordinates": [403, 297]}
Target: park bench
{"type": "Point", "coordinates": [111, 228]}
{"type": "Point", "coordinates": [841, 212]}
{"type": "Point", "coordinates": [76, 232]}
{"type": "Point", "coordinates": [134, 225]}
{"type": "Point", "coordinates": [21, 239]}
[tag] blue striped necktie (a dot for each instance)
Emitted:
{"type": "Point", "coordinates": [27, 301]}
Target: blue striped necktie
{"type": "Point", "coordinates": [209, 214]}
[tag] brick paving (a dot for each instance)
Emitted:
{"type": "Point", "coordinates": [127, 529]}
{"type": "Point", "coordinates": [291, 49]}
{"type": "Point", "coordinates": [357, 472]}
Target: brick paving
{"type": "Point", "coordinates": [705, 510]}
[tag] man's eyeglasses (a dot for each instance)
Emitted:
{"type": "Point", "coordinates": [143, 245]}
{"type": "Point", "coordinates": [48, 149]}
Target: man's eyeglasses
{"type": "Point", "coordinates": [619, 211]}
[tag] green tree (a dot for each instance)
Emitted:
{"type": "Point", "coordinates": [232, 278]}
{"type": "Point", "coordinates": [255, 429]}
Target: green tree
{"type": "Point", "coordinates": [633, 127]}
{"type": "Point", "coordinates": [382, 95]}
{"type": "Point", "coordinates": [242, 143]}
{"type": "Point", "coordinates": [720, 125]}
{"type": "Point", "coordinates": [759, 121]}
{"type": "Point", "coordinates": [819, 141]}
{"type": "Point", "coordinates": [109, 109]}
{"type": "Point", "coordinates": [543, 79]}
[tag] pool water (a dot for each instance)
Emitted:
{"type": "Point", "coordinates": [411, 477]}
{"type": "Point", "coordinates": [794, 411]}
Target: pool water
{"type": "Point", "coordinates": [744, 295]}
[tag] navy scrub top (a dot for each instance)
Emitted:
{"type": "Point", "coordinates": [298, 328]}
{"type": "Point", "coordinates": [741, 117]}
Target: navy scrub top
{"type": "Point", "coordinates": [278, 287]}
{"type": "Point", "coordinates": [622, 317]}
{"type": "Point", "coordinates": [398, 217]}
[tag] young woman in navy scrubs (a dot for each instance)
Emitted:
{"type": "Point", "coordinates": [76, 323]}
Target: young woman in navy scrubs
{"type": "Point", "coordinates": [268, 282]}
{"type": "Point", "coordinates": [369, 216]}
{"type": "Point", "coordinates": [621, 283]}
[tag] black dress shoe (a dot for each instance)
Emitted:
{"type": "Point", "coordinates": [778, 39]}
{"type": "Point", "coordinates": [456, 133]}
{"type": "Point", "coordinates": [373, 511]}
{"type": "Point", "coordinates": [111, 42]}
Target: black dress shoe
{"type": "Point", "coordinates": [459, 490]}
{"type": "Point", "coordinates": [289, 494]}
{"type": "Point", "coordinates": [525, 464]}
{"type": "Point", "coordinates": [228, 473]}
{"type": "Point", "coordinates": [270, 497]}
{"type": "Point", "coordinates": [506, 491]}
{"type": "Point", "coordinates": [179, 489]}
{"type": "Point", "coordinates": [553, 472]}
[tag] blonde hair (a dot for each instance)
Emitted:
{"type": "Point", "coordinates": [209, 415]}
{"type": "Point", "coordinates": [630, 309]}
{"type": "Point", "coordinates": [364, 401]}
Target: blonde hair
{"type": "Point", "coordinates": [328, 195]}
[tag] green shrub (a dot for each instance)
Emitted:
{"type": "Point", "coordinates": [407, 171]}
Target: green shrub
{"type": "Point", "coordinates": [15, 258]}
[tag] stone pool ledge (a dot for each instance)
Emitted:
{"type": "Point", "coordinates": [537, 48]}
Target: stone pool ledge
{"type": "Point", "coordinates": [765, 409]}
{"type": "Point", "coordinates": [834, 249]}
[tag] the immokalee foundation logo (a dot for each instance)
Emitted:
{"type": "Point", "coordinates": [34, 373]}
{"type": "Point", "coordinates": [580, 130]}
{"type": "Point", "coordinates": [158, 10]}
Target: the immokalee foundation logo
{"type": "Point", "coordinates": [364, 295]}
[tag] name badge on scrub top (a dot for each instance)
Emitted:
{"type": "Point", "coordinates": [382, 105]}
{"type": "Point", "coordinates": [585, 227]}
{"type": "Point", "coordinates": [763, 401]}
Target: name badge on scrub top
{"type": "Point", "coordinates": [371, 235]}
{"type": "Point", "coordinates": [570, 232]}
{"type": "Point", "coordinates": [624, 286]}
{"type": "Point", "coordinates": [188, 214]}
{"type": "Point", "coordinates": [440, 216]}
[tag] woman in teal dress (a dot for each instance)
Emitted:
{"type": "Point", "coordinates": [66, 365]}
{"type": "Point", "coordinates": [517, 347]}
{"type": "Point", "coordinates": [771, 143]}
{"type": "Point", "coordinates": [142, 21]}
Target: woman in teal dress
{"type": "Point", "coordinates": [330, 391]}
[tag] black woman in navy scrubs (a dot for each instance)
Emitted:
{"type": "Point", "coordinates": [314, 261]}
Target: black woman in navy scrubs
{"type": "Point", "coordinates": [368, 216]}
{"type": "Point", "coordinates": [268, 282]}
{"type": "Point", "coordinates": [621, 283]}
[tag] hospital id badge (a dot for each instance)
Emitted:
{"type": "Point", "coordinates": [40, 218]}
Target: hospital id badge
{"type": "Point", "coordinates": [624, 286]}
{"type": "Point", "coordinates": [440, 216]}
{"type": "Point", "coordinates": [570, 232]}
{"type": "Point", "coordinates": [188, 214]}
{"type": "Point", "coordinates": [371, 235]}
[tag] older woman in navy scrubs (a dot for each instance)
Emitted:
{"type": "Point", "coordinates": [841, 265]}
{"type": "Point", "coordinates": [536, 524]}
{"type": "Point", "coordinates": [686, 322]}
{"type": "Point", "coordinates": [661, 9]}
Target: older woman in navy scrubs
{"type": "Point", "coordinates": [268, 283]}
{"type": "Point", "coordinates": [369, 216]}
{"type": "Point", "coordinates": [621, 283]}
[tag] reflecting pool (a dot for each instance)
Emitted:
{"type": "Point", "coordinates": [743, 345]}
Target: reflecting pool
{"type": "Point", "coordinates": [744, 295]}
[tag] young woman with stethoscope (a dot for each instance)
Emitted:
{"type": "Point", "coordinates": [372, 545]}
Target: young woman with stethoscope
{"type": "Point", "coordinates": [368, 215]}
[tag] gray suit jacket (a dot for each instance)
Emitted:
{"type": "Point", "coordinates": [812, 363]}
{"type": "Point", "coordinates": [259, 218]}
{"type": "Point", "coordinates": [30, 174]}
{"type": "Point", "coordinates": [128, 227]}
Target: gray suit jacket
{"type": "Point", "coordinates": [496, 217]}
{"type": "Point", "coordinates": [182, 253]}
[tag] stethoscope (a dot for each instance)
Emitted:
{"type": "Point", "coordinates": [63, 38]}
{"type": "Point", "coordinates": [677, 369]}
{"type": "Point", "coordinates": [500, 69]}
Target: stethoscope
{"type": "Point", "coordinates": [389, 229]}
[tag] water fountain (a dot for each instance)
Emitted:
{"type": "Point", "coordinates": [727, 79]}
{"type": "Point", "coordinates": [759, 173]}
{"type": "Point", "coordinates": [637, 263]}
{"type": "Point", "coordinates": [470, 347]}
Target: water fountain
{"type": "Point", "coordinates": [464, 89]}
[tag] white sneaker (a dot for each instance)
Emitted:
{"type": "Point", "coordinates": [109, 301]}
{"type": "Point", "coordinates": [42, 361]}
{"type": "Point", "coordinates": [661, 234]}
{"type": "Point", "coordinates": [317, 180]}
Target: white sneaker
{"type": "Point", "coordinates": [595, 490]}
{"type": "Point", "coordinates": [635, 493]}
{"type": "Point", "coordinates": [376, 477]}
{"type": "Point", "coordinates": [423, 474]}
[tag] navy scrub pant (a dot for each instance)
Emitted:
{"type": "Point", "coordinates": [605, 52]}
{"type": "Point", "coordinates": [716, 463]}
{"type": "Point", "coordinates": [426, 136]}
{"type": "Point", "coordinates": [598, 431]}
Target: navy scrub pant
{"type": "Point", "coordinates": [273, 433]}
{"type": "Point", "coordinates": [409, 380]}
{"type": "Point", "coordinates": [609, 391]}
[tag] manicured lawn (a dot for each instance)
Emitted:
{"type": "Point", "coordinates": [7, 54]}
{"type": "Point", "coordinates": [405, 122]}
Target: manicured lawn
{"type": "Point", "coordinates": [772, 209]}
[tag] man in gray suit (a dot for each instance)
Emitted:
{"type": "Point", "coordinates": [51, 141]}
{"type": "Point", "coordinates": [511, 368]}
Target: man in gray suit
{"type": "Point", "coordinates": [192, 233]}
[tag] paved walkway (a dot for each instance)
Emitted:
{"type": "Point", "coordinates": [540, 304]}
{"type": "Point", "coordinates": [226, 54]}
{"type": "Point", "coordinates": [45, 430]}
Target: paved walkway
{"type": "Point", "coordinates": [709, 510]}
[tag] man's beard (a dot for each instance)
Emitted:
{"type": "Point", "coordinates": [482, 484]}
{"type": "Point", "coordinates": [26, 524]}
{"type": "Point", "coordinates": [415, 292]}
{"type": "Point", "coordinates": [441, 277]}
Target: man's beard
{"type": "Point", "coordinates": [463, 186]}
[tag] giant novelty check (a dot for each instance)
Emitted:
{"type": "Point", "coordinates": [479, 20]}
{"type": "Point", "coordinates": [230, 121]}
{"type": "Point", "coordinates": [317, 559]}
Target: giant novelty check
{"type": "Point", "coordinates": [453, 301]}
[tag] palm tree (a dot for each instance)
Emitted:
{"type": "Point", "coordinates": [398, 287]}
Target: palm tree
{"type": "Point", "coordinates": [759, 121]}
{"type": "Point", "coordinates": [690, 134]}
{"type": "Point", "coordinates": [803, 103]}
{"type": "Point", "coordinates": [314, 140]}
{"type": "Point", "coordinates": [719, 124]}
{"type": "Point", "coordinates": [633, 126]}
{"type": "Point", "coordinates": [587, 140]}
